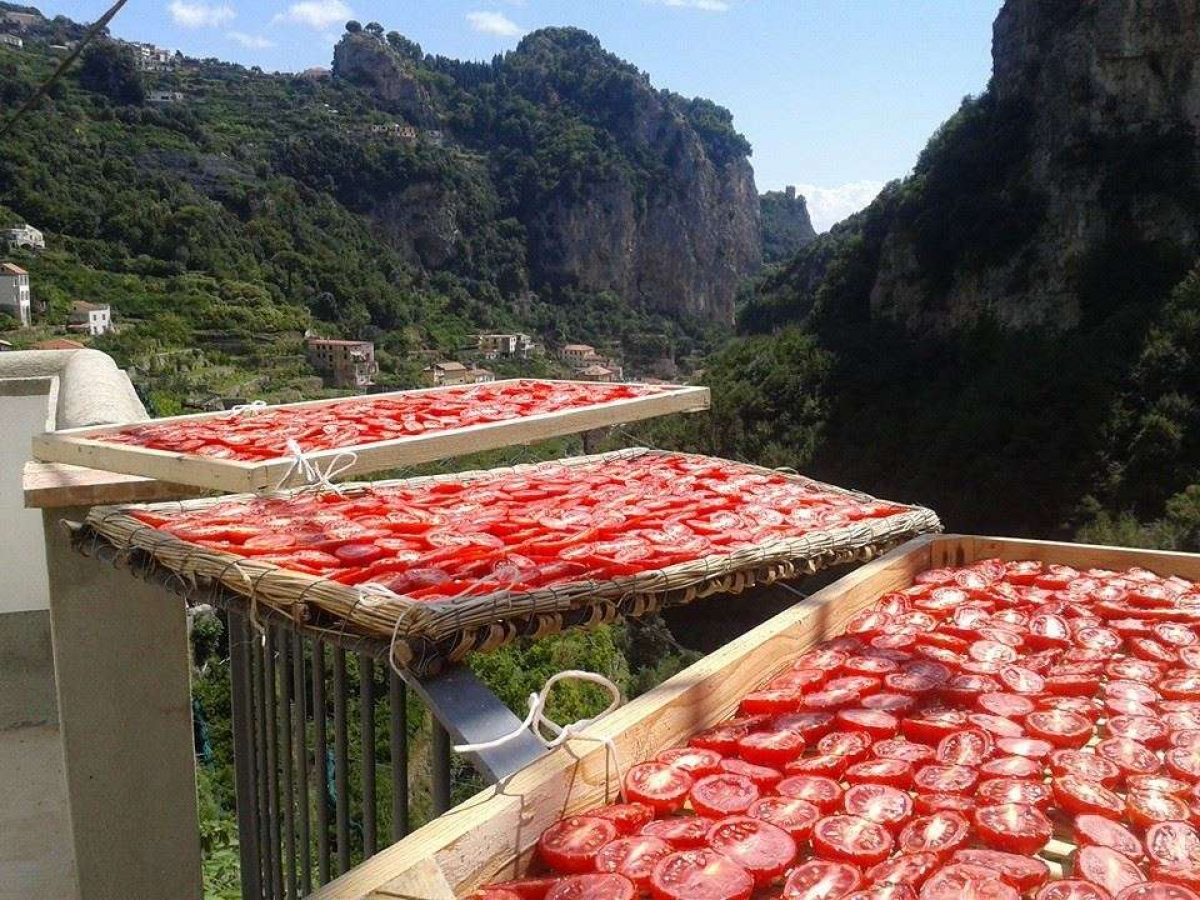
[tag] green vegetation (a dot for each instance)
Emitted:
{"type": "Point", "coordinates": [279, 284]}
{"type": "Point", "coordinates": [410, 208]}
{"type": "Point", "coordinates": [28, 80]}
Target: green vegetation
{"type": "Point", "coordinates": [785, 225]}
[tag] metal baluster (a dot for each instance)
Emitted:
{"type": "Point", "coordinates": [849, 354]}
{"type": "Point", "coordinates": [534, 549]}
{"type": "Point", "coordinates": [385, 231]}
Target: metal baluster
{"type": "Point", "coordinates": [441, 768]}
{"type": "Point", "coordinates": [320, 767]}
{"type": "Point", "coordinates": [340, 759]}
{"type": "Point", "coordinates": [287, 798]}
{"type": "Point", "coordinates": [272, 765]}
{"type": "Point", "coordinates": [300, 749]}
{"type": "Point", "coordinates": [366, 686]}
{"type": "Point", "coordinates": [398, 701]}
{"type": "Point", "coordinates": [260, 762]}
{"type": "Point", "coordinates": [242, 703]}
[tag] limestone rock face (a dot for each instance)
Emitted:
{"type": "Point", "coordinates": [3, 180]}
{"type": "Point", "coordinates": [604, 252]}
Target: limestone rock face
{"type": "Point", "coordinates": [362, 59]}
{"type": "Point", "coordinates": [1104, 98]}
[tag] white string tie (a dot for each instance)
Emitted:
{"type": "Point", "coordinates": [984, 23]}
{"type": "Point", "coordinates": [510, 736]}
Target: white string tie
{"type": "Point", "coordinates": [372, 594]}
{"type": "Point", "coordinates": [247, 409]}
{"type": "Point", "coordinates": [536, 721]}
{"type": "Point", "coordinates": [311, 471]}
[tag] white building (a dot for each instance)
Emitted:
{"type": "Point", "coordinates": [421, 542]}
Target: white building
{"type": "Point", "coordinates": [92, 319]}
{"type": "Point", "coordinates": [165, 97]}
{"type": "Point", "coordinates": [494, 346]}
{"type": "Point", "coordinates": [14, 292]}
{"type": "Point", "coordinates": [25, 236]}
{"type": "Point", "coordinates": [12, 40]}
{"type": "Point", "coordinates": [151, 58]}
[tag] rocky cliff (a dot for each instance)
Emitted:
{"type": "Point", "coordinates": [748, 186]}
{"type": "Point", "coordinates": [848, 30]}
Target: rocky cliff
{"type": "Point", "coordinates": [786, 226]}
{"type": "Point", "coordinates": [618, 186]}
{"type": "Point", "coordinates": [1081, 152]}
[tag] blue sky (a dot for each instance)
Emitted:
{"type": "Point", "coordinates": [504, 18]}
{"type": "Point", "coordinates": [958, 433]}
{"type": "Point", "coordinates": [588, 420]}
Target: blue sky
{"type": "Point", "coordinates": [837, 96]}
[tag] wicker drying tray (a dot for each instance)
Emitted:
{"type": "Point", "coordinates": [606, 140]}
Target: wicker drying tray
{"type": "Point", "coordinates": [424, 634]}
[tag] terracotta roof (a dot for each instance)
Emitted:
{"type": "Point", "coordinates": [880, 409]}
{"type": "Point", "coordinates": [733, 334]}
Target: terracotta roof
{"type": "Point", "coordinates": [84, 306]}
{"type": "Point", "coordinates": [59, 344]}
{"type": "Point", "coordinates": [10, 269]}
{"type": "Point", "coordinates": [449, 366]}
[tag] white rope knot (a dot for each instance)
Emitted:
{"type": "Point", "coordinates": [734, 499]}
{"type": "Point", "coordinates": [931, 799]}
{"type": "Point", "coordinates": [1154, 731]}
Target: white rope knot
{"type": "Point", "coordinates": [247, 409]}
{"type": "Point", "coordinates": [372, 594]}
{"type": "Point", "coordinates": [311, 472]}
{"type": "Point", "coordinates": [537, 720]}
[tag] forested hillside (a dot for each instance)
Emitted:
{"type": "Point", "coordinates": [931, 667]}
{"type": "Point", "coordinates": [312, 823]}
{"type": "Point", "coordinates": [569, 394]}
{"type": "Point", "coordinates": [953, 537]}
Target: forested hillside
{"type": "Point", "coordinates": [405, 198]}
{"type": "Point", "coordinates": [1010, 334]}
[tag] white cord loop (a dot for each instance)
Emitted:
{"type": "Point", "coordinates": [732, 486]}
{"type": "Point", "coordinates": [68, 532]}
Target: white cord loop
{"type": "Point", "coordinates": [537, 720]}
{"type": "Point", "coordinates": [311, 471]}
{"type": "Point", "coordinates": [247, 409]}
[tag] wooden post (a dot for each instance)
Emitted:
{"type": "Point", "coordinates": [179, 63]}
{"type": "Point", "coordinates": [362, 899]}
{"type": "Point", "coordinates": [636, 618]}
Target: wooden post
{"type": "Point", "coordinates": [122, 668]}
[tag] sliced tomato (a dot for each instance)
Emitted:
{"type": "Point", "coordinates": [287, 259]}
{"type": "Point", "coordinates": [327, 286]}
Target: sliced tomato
{"type": "Point", "coordinates": [606, 886]}
{"type": "Point", "coordinates": [941, 833]}
{"type": "Point", "coordinates": [821, 879]}
{"type": "Point", "coordinates": [1100, 831]}
{"type": "Point", "coordinates": [1059, 727]}
{"type": "Point", "coordinates": [629, 818]}
{"type": "Point", "coordinates": [893, 772]}
{"type": "Point", "coordinates": [1107, 869]}
{"type": "Point", "coordinates": [1086, 766]}
{"type": "Point", "coordinates": [696, 761]}
{"type": "Point", "coordinates": [879, 803]}
{"type": "Point", "coordinates": [658, 785]}
{"type": "Point", "coordinates": [906, 868]}
{"type": "Point", "coordinates": [851, 839]}
{"type": "Point", "coordinates": [571, 845]}
{"type": "Point", "coordinates": [1145, 808]}
{"type": "Point", "coordinates": [907, 751]}
{"type": "Point", "coordinates": [1077, 796]}
{"type": "Point", "coordinates": [762, 849]}
{"type": "Point", "coordinates": [969, 747]}
{"type": "Point", "coordinates": [823, 793]}
{"type": "Point", "coordinates": [794, 816]}
{"type": "Point", "coordinates": [633, 857]}
{"type": "Point", "coordinates": [723, 795]}
{"type": "Point", "coordinates": [961, 881]}
{"type": "Point", "coordinates": [1160, 889]}
{"type": "Point", "coordinates": [1014, 827]}
{"type": "Point", "coordinates": [997, 791]}
{"type": "Point", "coordinates": [928, 804]}
{"type": "Point", "coordinates": [701, 874]}
{"type": "Point", "coordinates": [1071, 889]}
{"type": "Point", "coordinates": [681, 832]}
{"type": "Point", "coordinates": [1024, 873]}
{"type": "Point", "coordinates": [945, 779]}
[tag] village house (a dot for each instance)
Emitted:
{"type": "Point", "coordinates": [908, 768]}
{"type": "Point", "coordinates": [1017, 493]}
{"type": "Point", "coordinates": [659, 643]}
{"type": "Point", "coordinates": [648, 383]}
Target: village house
{"type": "Point", "coordinates": [496, 346]}
{"type": "Point", "coordinates": [24, 236]}
{"type": "Point", "coordinates": [348, 363]}
{"type": "Point", "coordinates": [478, 375]}
{"type": "Point", "coordinates": [164, 97]}
{"type": "Point", "coordinates": [12, 40]}
{"type": "Point", "coordinates": [93, 319]}
{"type": "Point", "coordinates": [445, 373]}
{"type": "Point", "coordinates": [598, 373]}
{"type": "Point", "coordinates": [14, 292]}
{"type": "Point", "coordinates": [577, 356]}
{"type": "Point", "coordinates": [151, 58]}
{"type": "Point", "coordinates": [406, 133]}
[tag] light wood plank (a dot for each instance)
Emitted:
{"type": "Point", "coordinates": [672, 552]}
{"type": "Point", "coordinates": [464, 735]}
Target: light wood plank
{"type": "Point", "coordinates": [424, 881]}
{"type": "Point", "coordinates": [55, 485]}
{"type": "Point", "coordinates": [477, 840]}
{"type": "Point", "coordinates": [80, 447]}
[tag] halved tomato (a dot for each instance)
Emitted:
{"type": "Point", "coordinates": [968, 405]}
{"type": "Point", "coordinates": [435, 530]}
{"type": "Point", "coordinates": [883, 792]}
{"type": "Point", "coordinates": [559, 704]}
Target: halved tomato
{"type": "Point", "coordinates": [962, 881]}
{"type": "Point", "coordinates": [1099, 831]}
{"type": "Point", "coordinates": [658, 785]}
{"type": "Point", "coordinates": [1106, 868]}
{"type": "Point", "coordinates": [879, 803]}
{"type": "Point", "coordinates": [723, 795]}
{"type": "Point", "coordinates": [1014, 827]}
{"type": "Point", "coordinates": [633, 857]}
{"type": "Point", "coordinates": [794, 816]}
{"type": "Point", "coordinates": [1025, 873]}
{"type": "Point", "coordinates": [823, 793]}
{"type": "Point", "coordinates": [851, 839]}
{"type": "Point", "coordinates": [941, 833]}
{"type": "Point", "coordinates": [571, 845]}
{"type": "Point", "coordinates": [701, 874]}
{"type": "Point", "coordinates": [822, 879]}
{"type": "Point", "coordinates": [762, 849]}
{"type": "Point", "coordinates": [681, 832]}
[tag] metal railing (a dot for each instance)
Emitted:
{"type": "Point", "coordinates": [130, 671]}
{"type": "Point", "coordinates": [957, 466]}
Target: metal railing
{"type": "Point", "coordinates": [307, 810]}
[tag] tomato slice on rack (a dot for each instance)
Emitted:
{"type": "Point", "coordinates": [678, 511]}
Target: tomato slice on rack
{"type": "Point", "coordinates": [905, 868]}
{"type": "Point", "coordinates": [1145, 808]}
{"type": "Point", "coordinates": [823, 793]}
{"type": "Point", "coordinates": [935, 779]}
{"type": "Point", "coordinates": [761, 848]}
{"type": "Point", "coordinates": [961, 881]}
{"type": "Point", "coordinates": [696, 761]}
{"type": "Point", "coordinates": [940, 833]}
{"type": "Point", "coordinates": [571, 845]}
{"type": "Point", "coordinates": [851, 839]}
{"type": "Point", "coordinates": [1014, 827]}
{"type": "Point", "coordinates": [681, 832]}
{"type": "Point", "coordinates": [701, 874]}
{"type": "Point", "coordinates": [764, 776]}
{"type": "Point", "coordinates": [895, 773]}
{"type": "Point", "coordinates": [628, 817]}
{"type": "Point", "coordinates": [997, 791]}
{"type": "Point", "coordinates": [1060, 727]}
{"type": "Point", "coordinates": [821, 879]}
{"type": "Point", "coordinates": [1071, 889]}
{"type": "Point", "coordinates": [1100, 831]}
{"type": "Point", "coordinates": [794, 816]}
{"type": "Point", "coordinates": [1025, 873]}
{"type": "Point", "coordinates": [605, 886]}
{"type": "Point", "coordinates": [661, 787]}
{"type": "Point", "coordinates": [1158, 890]}
{"type": "Point", "coordinates": [771, 748]}
{"type": "Point", "coordinates": [878, 803]}
{"type": "Point", "coordinates": [1107, 869]}
{"type": "Point", "coordinates": [1077, 796]}
{"type": "Point", "coordinates": [633, 857]}
{"type": "Point", "coordinates": [969, 747]}
{"type": "Point", "coordinates": [723, 795]}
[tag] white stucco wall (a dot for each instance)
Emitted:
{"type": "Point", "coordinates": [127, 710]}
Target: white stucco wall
{"type": "Point", "coordinates": [26, 405]}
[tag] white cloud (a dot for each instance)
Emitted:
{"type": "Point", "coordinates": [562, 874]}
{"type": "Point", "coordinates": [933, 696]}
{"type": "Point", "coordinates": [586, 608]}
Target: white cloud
{"type": "Point", "coordinates": [494, 23]}
{"type": "Point", "coordinates": [829, 205]}
{"type": "Point", "coordinates": [250, 41]}
{"type": "Point", "coordinates": [199, 14]}
{"type": "Point", "coordinates": [317, 14]}
{"type": "Point", "coordinates": [706, 5]}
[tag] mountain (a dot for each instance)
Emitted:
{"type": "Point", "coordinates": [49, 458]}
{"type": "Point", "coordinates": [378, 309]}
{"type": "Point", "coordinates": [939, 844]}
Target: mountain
{"type": "Point", "coordinates": [631, 189]}
{"type": "Point", "coordinates": [786, 226]}
{"type": "Point", "coordinates": [402, 197]}
{"type": "Point", "coordinates": [1009, 333]}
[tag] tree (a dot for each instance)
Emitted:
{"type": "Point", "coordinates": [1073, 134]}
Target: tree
{"type": "Point", "coordinates": [374, 29]}
{"type": "Point", "coordinates": [109, 69]}
{"type": "Point", "coordinates": [353, 27]}
{"type": "Point", "coordinates": [404, 46]}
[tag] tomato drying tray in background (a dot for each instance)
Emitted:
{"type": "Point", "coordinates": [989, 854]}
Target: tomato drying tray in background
{"type": "Point", "coordinates": [264, 434]}
{"type": "Point", "coordinates": [994, 731]}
